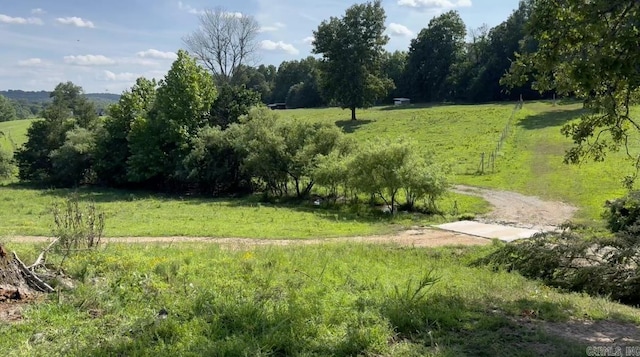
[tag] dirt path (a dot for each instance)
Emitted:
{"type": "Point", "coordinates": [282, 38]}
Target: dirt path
{"type": "Point", "coordinates": [418, 237]}
{"type": "Point", "coordinates": [515, 209]}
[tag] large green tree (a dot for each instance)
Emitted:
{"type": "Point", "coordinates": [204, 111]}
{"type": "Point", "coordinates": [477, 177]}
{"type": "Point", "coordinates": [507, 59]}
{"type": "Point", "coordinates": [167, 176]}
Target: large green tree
{"type": "Point", "coordinates": [591, 50]}
{"type": "Point", "coordinates": [112, 146]}
{"type": "Point", "coordinates": [160, 141]}
{"type": "Point", "coordinates": [433, 56]}
{"type": "Point", "coordinates": [352, 48]}
{"type": "Point", "coordinates": [69, 110]}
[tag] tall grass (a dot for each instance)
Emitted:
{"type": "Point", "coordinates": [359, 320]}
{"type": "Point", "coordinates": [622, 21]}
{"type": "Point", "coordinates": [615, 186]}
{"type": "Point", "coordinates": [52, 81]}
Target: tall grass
{"type": "Point", "coordinates": [330, 300]}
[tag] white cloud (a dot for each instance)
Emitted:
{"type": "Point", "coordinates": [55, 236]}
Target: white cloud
{"type": "Point", "coordinates": [89, 60]}
{"type": "Point", "coordinates": [434, 4]}
{"type": "Point", "coordinates": [31, 62]}
{"type": "Point", "coordinates": [75, 21]}
{"type": "Point", "coordinates": [20, 20]}
{"type": "Point", "coordinates": [275, 27]}
{"type": "Point", "coordinates": [117, 77]}
{"type": "Point", "coordinates": [188, 8]}
{"type": "Point", "coordinates": [279, 46]}
{"type": "Point", "coordinates": [38, 11]}
{"type": "Point", "coordinates": [308, 40]}
{"type": "Point", "coordinates": [153, 53]}
{"type": "Point", "coordinates": [399, 30]}
{"type": "Point", "coordinates": [192, 10]}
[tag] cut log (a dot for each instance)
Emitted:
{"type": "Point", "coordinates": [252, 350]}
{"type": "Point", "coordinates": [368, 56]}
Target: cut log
{"type": "Point", "coordinates": [13, 285]}
{"type": "Point", "coordinates": [16, 281]}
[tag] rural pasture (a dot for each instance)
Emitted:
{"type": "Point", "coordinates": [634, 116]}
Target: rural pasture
{"type": "Point", "coordinates": [329, 299]}
{"type": "Point", "coordinates": [530, 162]}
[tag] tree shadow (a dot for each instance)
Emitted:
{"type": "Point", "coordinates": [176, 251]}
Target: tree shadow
{"type": "Point", "coordinates": [442, 324]}
{"type": "Point", "coordinates": [350, 126]}
{"type": "Point", "coordinates": [556, 117]}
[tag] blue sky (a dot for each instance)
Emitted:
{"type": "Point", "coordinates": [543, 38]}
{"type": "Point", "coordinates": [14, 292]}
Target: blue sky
{"type": "Point", "coordinates": [104, 46]}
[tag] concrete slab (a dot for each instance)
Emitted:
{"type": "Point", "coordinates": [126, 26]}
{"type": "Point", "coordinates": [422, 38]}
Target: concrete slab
{"type": "Point", "coordinates": [504, 233]}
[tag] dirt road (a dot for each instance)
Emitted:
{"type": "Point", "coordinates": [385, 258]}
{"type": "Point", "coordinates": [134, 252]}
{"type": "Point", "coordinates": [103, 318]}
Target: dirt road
{"type": "Point", "coordinates": [515, 209]}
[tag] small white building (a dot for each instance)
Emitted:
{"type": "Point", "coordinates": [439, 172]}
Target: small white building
{"type": "Point", "coordinates": [401, 101]}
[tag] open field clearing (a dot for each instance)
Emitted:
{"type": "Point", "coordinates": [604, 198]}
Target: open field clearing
{"type": "Point", "coordinates": [530, 162]}
{"type": "Point", "coordinates": [27, 211]}
{"type": "Point", "coordinates": [333, 299]}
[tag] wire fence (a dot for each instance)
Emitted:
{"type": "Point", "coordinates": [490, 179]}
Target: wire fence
{"type": "Point", "coordinates": [488, 160]}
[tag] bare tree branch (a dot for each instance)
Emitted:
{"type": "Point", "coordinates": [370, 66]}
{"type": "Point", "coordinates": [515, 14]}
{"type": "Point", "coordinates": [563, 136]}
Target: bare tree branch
{"type": "Point", "coordinates": [224, 41]}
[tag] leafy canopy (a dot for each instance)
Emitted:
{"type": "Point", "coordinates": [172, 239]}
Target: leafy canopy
{"type": "Point", "coordinates": [352, 48]}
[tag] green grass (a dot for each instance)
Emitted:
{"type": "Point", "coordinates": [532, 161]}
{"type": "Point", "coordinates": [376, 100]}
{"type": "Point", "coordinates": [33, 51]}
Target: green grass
{"type": "Point", "coordinates": [457, 134]}
{"type": "Point", "coordinates": [15, 131]}
{"type": "Point", "coordinates": [331, 300]}
{"type": "Point", "coordinates": [27, 211]}
{"type": "Point", "coordinates": [530, 162]}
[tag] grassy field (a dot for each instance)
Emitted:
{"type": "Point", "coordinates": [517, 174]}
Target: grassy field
{"type": "Point", "coordinates": [457, 134]}
{"type": "Point", "coordinates": [530, 162]}
{"type": "Point", "coordinates": [15, 132]}
{"type": "Point", "coordinates": [28, 211]}
{"type": "Point", "coordinates": [332, 300]}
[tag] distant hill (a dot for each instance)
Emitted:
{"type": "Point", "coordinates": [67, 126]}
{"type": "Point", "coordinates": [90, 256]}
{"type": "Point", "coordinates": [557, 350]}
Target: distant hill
{"type": "Point", "coordinates": [43, 96]}
{"type": "Point", "coordinates": [29, 104]}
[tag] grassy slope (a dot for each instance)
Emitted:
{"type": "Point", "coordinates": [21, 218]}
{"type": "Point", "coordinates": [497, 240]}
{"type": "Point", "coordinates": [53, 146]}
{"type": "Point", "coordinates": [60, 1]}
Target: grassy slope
{"type": "Point", "coordinates": [532, 163]}
{"type": "Point", "coordinates": [15, 131]}
{"type": "Point", "coordinates": [335, 300]}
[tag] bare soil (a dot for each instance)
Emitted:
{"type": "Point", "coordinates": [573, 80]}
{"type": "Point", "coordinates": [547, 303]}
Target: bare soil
{"type": "Point", "coordinates": [417, 237]}
{"type": "Point", "coordinates": [515, 209]}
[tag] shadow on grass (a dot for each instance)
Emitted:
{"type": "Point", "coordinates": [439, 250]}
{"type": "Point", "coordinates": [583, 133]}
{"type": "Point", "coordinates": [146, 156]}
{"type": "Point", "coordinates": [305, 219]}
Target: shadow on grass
{"type": "Point", "coordinates": [360, 213]}
{"type": "Point", "coordinates": [442, 325]}
{"type": "Point", "coordinates": [556, 117]}
{"type": "Point", "coordinates": [350, 126]}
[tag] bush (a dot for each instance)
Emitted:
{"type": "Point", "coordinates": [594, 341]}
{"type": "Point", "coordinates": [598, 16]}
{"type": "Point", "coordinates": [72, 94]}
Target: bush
{"type": "Point", "coordinates": [76, 228]}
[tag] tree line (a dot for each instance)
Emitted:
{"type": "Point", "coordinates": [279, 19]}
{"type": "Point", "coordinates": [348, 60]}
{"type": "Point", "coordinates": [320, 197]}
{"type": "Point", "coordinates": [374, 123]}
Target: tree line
{"type": "Point", "coordinates": [441, 64]}
{"type": "Point", "coordinates": [184, 134]}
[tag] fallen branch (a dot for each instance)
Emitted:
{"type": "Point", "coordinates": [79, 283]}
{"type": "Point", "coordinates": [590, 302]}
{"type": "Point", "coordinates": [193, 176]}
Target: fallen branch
{"type": "Point", "coordinates": [42, 255]}
{"type": "Point", "coordinates": [31, 277]}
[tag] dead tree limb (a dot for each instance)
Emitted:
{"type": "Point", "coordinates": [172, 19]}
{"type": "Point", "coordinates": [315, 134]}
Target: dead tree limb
{"type": "Point", "coordinates": [32, 279]}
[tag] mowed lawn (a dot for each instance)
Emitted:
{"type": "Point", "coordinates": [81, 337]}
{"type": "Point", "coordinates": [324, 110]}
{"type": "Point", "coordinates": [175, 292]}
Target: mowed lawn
{"type": "Point", "coordinates": [28, 211]}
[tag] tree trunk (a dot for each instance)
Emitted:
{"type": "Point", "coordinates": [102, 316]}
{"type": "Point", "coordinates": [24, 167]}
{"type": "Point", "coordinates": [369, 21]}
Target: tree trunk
{"type": "Point", "coordinates": [353, 113]}
{"type": "Point", "coordinates": [13, 285]}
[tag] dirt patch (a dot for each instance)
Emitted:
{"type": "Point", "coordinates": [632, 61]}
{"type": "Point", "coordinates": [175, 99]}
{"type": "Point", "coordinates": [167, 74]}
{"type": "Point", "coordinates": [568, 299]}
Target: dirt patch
{"type": "Point", "coordinates": [417, 237]}
{"type": "Point", "coordinates": [515, 209]}
{"type": "Point", "coordinates": [595, 332]}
